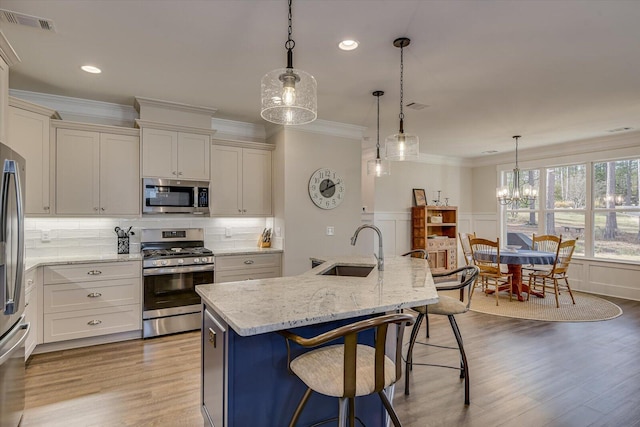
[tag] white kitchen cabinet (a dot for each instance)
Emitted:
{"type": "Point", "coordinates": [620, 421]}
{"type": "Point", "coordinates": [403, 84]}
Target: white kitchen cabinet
{"type": "Point", "coordinates": [31, 311]}
{"type": "Point", "coordinates": [4, 99]}
{"type": "Point", "coordinates": [240, 181]}
{"type": "Point", "coordinates": [89, 300]}
{"type": "Point", "coordinates": [96, 173]}
{"type": "Point", "coordinates": [29, 136]}
{"type": "Point", "coordinates": [175, 155]}
{"type": "Point", "coordinates": [233, 268]}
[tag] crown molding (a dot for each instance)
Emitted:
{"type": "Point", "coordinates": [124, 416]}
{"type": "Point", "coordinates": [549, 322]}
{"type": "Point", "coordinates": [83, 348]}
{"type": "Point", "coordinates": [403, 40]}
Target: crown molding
{"type": "Point", "coordinates": [65, 124]}
{"type": "Point", "coordinates": [607, 143]}
{"type": "Point", "coordinates": [6, 51]}
{"type": "Point", "coordinates": [34, 108]}
{"type": "Point", "coordinates": [171, 127]}
{"type": "Point", "coordinates": [238, 131]}
{"type": "Point", "coordinates": [170, 105]}
{"type": "Point", "coordinates": [323, 127]}
{"type": "Point", "coordinates": [81, 109]}
{"type": "Point", "coordinates": [242, 144]}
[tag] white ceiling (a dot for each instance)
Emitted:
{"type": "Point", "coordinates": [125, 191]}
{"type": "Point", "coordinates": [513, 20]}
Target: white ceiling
{"type": "Point", "coordinates": [551, 71]}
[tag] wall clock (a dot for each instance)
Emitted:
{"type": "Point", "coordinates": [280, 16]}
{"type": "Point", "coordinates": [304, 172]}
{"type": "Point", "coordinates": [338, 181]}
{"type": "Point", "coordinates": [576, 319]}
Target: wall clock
{"type": "Point", "coordinates": [326, 188]}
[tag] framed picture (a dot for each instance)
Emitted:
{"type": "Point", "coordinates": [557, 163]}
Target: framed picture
{"type": "Point", "coordinates": [419, 197]}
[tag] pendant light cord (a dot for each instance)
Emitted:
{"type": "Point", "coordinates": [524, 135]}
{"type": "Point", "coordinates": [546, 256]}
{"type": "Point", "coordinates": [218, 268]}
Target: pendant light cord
{"type": "Point", "coordinates": [378, 137]}
{"type": "Point", "coordinates": [290, 43]}
{"type": "Point", "coordinates": [401, 87]}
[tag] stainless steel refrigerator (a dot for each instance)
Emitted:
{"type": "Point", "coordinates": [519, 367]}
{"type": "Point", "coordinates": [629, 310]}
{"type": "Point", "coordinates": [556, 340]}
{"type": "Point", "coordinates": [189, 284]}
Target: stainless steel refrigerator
{"type": "Point", "coordinates": [13, 328]}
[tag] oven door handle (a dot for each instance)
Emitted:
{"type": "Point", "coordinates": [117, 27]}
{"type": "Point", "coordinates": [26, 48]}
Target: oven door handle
{"type": "Point", "coordinates": [173, 270]}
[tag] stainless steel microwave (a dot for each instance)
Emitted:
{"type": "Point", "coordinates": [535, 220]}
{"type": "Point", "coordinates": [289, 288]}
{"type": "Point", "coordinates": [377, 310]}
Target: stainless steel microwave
{"type": "Point", "coordinates": [175, 196]}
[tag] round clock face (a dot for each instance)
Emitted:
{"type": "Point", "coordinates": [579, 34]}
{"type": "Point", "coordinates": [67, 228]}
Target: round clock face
{"type": "Point", "coordinates": [326, 188]}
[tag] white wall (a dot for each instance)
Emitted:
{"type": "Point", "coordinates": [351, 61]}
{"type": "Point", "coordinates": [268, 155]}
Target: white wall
{"type": "Point", "coordinates": [298, 154]}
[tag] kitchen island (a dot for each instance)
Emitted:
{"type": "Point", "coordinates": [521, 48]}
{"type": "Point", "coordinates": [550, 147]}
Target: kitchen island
{"type": "Point", "coordinates": [244, 361]}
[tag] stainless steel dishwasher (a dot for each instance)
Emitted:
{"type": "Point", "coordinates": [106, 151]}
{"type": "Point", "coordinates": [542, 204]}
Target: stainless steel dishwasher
{"type": "Point", "coordinates": [213, 376]}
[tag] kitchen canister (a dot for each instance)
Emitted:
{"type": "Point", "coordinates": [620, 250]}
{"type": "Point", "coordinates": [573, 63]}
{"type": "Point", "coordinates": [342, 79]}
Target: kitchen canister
{"type": "Point", "coordinates": [123, 245]}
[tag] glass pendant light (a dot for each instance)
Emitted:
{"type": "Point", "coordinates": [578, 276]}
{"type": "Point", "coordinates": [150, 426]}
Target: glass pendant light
{"type": "Point", "coordinates": [288, 94]}
{"type": "Point", "coordinates": [378, 166]}
{"type": "Point", "coordinates": [402, 146]}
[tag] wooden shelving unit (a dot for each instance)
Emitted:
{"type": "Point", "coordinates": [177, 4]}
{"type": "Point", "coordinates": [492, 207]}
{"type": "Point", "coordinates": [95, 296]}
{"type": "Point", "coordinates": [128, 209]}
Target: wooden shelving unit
{"type": "Point", "coordinates": [435, 228]}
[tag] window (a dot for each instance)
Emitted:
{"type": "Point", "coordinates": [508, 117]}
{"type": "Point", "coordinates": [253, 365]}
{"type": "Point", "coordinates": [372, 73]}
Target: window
{"type": "Point", "coordinates": [522, 221]}
{"type": "Point", "coordinates": [596, 202]}
{"type": "Point", "coordinates": [616, 220]}
{"type": "Point", "coordinates": [566, 203]}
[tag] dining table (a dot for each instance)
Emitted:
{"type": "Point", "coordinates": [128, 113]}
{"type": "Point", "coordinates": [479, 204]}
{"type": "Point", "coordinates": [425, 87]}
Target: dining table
{"type": "Point", "coordinates": [515, 259]}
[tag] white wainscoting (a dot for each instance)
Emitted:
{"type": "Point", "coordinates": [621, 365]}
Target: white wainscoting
{"type": "Point", "coordinates": [614, 279]}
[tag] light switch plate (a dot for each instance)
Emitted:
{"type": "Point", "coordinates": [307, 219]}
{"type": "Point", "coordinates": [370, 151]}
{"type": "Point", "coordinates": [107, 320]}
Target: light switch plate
{"type": "Point", "coordinates": [330, 230]}
{"type": "Point", "coordinates": [227, 232]}
{"type": "Point", "coordinates": [46, 236]}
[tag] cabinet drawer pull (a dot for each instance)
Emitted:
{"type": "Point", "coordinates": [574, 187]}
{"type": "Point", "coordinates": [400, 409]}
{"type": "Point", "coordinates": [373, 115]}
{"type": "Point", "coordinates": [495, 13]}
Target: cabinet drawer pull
{"type": "Point", "coordinates": [212, 337]}
{"type": "Point", "coordinates": [94, 272]}
{"type": "Point", "coordinates": [46, 208]}
{"type": "Point", "coordinates": [249, 261]}
{"type": "Point", "coordinates": [26, 304]}
{"type": "Point", "coordinates": [94, 322]}
{"type": "Point", "coordinates": [94, 295]}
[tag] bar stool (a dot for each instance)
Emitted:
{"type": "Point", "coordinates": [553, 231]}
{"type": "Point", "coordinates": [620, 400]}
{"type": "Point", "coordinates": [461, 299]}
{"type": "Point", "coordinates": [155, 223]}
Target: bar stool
{"type": "Point", "coordinates": [446, 306]}
{"type": "Point", "coordinates": [349, 370]}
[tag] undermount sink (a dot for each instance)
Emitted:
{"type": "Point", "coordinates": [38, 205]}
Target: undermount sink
{"type": "Point", "coordinates": [348, 270]}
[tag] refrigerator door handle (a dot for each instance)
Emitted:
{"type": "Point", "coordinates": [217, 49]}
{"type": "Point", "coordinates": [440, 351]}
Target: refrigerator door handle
{"type": "Point", "coordinates": [26, 327]}
{"type": "Point", "coordinates": [11, 168]}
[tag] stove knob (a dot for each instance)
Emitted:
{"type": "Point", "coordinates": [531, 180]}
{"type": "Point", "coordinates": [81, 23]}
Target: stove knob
{"type": "Point", "coordinates": [165, 262]}
{"type": "Point", "coordinates": [181, 261]}
{"type": "Point", "coordinates": [196, 260]}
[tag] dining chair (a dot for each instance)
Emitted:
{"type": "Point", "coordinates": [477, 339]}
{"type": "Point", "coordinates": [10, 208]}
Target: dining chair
{"type": "Point", "coordinates": [558, 271]}
{"type": "Point", "coordinates": [466, 247]}
{"type": "Point", "coordinates": [347, 370]}
{"type": "Point", "coordinates": [446, 306]}
{"type": "Point", "coordinates": [486, 255]}
{"type": "Point", "coordinates": [545, 243]}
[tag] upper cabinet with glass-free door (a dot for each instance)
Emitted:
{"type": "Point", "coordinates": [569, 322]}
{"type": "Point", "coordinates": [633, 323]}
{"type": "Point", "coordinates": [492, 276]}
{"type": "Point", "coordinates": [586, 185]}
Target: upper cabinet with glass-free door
{"type": "Point", "coordinates": [241, 180]}
{"type": "Point", "coordinates": [97, 170]}
{"type": "Point", "coordinates": [175, 152]}
{"type": "Point", "coordinates": [29, 129]}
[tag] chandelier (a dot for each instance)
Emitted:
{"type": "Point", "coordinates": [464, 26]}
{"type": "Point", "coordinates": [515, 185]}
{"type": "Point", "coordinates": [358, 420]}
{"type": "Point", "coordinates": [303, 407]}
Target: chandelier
{"type": "Point", "coordinates": [402, 146]}
{"type": "Point", "coordinates": [378, 166]}
{"type": "Point", "coordinates": [288, 94]}
{"type": "Point", "coordinates": [516, 194]}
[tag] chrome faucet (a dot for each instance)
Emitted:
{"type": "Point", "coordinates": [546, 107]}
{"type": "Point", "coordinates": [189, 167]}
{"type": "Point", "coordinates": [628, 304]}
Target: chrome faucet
{"type": "Point", "coordinates": [380, 256]}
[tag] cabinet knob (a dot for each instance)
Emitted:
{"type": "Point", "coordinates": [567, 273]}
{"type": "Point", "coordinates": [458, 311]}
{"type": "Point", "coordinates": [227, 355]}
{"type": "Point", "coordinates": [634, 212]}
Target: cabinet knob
{"type": "Point", "coordinates": [249, 261]}
{"type": "Point", "coordinates": [179, 173]}
{"type": "Point", "coordinates": [240, 210]}
{"type": "Point", "coordinates": [30, 282]}
{"type": "Point", "coordinates": [94, 322]}
{"type": "Point", "coordinates": [46, 208]}
{"type": "Point", "coordinates": [94, 295]}
{"type": "Point", "coordinates": [175, 173]}
{"type": "Point", "coordinates": [244, 210]}
{"type": "Point", "coordinates": [102, 209]}
{"type": "Point", "coordinates": [95, 209]}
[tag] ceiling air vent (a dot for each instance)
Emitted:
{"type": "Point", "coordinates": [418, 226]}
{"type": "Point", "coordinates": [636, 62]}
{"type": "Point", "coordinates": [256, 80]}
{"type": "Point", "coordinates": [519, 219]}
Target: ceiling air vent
{"type": "Point", "coordinates": [26, 20]}
{"type": "Point", "coordinates": [416, 106]}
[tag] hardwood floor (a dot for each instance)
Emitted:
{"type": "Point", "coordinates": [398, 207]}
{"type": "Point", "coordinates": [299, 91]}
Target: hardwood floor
{"type": "Point", "coordinates": [523, 373]}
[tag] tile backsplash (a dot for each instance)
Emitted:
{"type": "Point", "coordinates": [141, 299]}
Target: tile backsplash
{"type": "Point", "coordinates": [47, 237]}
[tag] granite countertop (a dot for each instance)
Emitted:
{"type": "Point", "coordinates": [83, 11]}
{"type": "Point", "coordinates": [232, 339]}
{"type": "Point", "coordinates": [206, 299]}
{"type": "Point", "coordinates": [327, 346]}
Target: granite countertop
{"type": "Point", "coordinates": [82, 259]}
{"type": "Point", "coordinates": [245, 251]}
{"type": "Point", "coordinates": [258, 306]}
{"type": "Point", "coordinates": [79, 259]}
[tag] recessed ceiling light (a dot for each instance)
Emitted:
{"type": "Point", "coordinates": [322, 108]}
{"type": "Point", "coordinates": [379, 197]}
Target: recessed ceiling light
{"type": "Point", "coordinates": [91, 69]}
{"type": "Point", "coordinates": [348, 44]}
{"type": "Point", "coordinates": [489, 152]}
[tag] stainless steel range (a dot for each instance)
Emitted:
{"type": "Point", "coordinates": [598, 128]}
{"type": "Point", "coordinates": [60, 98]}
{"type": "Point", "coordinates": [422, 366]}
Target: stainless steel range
{"type": "Point", "coordinates": [174, 261]}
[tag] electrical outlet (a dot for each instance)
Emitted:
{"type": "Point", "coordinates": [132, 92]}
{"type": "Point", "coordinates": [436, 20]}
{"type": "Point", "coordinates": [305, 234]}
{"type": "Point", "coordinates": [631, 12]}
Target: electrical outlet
{"type": "Point", "coordinates": [330, 230]}
{"type": "Point", "coordinates": [227, 232]}
{"type": "Point", "coordinates": [278, 231]}
{"type": "Point", "coordinates": [46, 236]}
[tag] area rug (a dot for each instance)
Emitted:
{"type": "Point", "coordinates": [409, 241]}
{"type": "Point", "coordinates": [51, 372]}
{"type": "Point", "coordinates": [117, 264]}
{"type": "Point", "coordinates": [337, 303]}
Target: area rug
{"type": "Point", "coordinates": [588, 308]}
